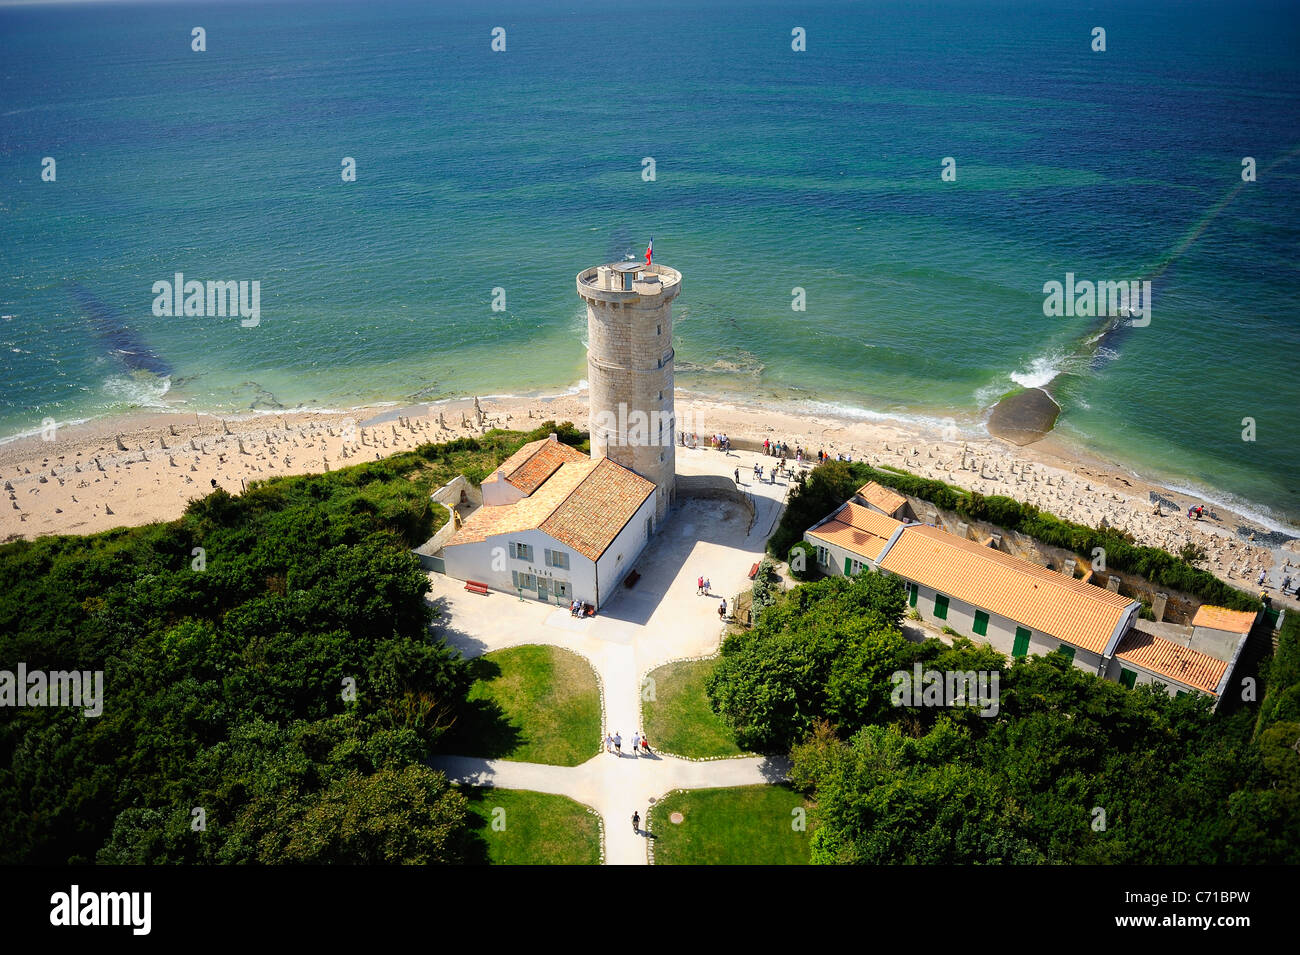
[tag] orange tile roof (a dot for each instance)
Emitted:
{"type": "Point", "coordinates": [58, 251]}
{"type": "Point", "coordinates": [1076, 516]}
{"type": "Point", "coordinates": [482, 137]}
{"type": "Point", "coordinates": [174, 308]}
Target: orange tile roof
{"type": "Point", "coordinates": [526, 514]}
{"type": "Point", "coordinates": [1221, 618]}
{"type": "Point", "coordinates": [1080, 614]}
{"type": "Point", "coordinates": [530, 466]}
{"type": "Point", "coordinates": [858, 530]}
{"type": "Point", "coordinates": [591, 517]}
{"type": "Point", "coordinates": [584, 504]}
{"type": "Point", "coordinates": [881, 497]}
{"type": "Point", "coordinates": [1187, 666]}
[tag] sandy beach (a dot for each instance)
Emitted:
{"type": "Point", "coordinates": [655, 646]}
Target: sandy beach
{"type": "Point", "coordinates": [127, 471]}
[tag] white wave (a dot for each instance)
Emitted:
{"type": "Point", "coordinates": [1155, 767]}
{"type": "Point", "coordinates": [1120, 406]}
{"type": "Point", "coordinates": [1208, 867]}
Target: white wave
{"type": "Point", "coordinates": [1041, 371]}
{"type": "Point", "coordinates": [138, 392]}
{"type": "Point", "coordinates": [33, 432]}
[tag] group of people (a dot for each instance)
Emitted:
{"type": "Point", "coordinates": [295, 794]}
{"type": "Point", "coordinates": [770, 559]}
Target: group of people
{"type": "Point", "coordinates": [640, 744]}
{"type": "Point", "coordinates": [575, 608]}
{"type": "Point", "coordinates": [721, 442]}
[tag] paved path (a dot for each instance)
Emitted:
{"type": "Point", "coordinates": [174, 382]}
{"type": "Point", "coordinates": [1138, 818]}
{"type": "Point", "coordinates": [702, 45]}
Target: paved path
{"type": "Point", "coordinates": [615, 786]}
{"type": "Point", "coordinates": [660, 620]}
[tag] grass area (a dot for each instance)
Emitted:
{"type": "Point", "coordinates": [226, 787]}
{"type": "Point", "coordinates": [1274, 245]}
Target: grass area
{"type": "Point", "coordinates": [678, 720]}
{"type": "Point", "coordinates": [517, 827]}
{"type": "Point", "coordinates": [534, 704]}
{"type": "Point", "coordinates": [745, 825]}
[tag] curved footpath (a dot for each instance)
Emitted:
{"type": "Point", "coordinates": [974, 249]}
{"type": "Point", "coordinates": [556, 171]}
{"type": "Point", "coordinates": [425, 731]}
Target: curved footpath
{"type": "Point", "coordinates": [660, 620]}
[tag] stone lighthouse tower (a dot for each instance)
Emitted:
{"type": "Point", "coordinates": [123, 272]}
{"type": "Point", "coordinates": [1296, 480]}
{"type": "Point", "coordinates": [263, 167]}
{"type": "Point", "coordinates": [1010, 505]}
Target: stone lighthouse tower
{"type": "Point", "coordinates": [630, 369]}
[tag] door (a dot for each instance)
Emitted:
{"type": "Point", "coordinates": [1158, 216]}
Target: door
{"type": "Point", "coordinates": [543, 589]}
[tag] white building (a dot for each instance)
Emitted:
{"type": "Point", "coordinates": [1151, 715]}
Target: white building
{"type": "Point", "coordinates": [1013, 604]}
{"type": "Point", "coordinates": [1019, 607]}
{"type": "Point", "coordinates": [555, 525]}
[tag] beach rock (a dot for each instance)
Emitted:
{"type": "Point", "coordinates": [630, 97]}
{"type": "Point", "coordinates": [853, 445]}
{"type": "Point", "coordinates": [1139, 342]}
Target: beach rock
{"type": "Point", "coordinates": [1023, 417]}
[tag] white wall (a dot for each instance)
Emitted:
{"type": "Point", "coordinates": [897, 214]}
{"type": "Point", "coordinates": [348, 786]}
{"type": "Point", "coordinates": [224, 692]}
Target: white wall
{"type": "Point", "coordinates": [621, 554]}
{"type": "Point", "coordinates": [1001, 630]}
{"type": "Point", "coordinates": [1144, 675]}
{"type": "Point", "coordinates": [476, 562]}
{"type": "Point", "coordinates": [837, 554]}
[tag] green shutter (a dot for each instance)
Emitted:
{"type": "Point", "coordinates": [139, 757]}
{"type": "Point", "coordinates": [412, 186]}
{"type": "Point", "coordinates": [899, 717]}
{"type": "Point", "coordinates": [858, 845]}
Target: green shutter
{"type": "Point", "coordinates": [847, 561]}
{"type": "Point", "coordinates": [981, 623]}
{"type": "Point", "coordinates": [1128, 677]}
{"type": "Point", "coordinates": [913, 590]}
{"type": "Point", "coordinates": [1067, 650]}
{"type": "Point", "coordinates": [941, 606]}
{"type": "Point", "coordinates": [1021, 647]}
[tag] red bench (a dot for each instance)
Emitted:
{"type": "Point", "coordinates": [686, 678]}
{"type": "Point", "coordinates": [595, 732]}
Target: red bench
{"type": "Point", "coordinates": [753, 572]}
{"type": "Point", "coordinates": [475, 586]}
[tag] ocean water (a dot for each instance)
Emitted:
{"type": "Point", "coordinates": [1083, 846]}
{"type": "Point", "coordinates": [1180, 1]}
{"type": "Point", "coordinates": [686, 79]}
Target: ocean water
{"type": "Point", "coordinates": [775, 170]}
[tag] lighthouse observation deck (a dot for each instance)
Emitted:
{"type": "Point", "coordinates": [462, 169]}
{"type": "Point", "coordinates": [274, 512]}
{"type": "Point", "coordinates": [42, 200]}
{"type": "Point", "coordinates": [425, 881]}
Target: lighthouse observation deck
{"type": "Point", "coordinates": [625, 281]}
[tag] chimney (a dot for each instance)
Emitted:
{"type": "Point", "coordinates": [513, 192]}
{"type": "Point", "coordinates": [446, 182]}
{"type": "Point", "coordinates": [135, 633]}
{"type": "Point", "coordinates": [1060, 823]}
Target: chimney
{"type": "Point", "coordinates": [554, 436]}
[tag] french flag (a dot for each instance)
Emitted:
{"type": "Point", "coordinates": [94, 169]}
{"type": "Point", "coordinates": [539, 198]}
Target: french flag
{"type": "Point", "coordinates": [649, 251]}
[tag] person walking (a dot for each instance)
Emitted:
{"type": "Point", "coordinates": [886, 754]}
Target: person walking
{"type": "Point", "coordinates": [609, 743]}
{"type": "Point", "coordinates": [722, 611]}
{"type": "Point", "coordinates": [636, 742]}
{"type": "Point", "coordinates": [699, 585]}
{"type": "Point", "coordinates": [737, 477]}
{"type": "Point", "coordinates": [618, 744]}
{"type": "Point", "coordinates": [636, 822]}
{"type": "Point", "coordinates": [645, 746]}
{"type": "Point", "coordinates": [707, 586]}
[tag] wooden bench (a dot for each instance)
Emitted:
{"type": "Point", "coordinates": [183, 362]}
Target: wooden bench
{"type": "Point", "coordinates": [477, 587]}
{"type": "Point", "coordinates": [631, 579]}
{"type": "Point", "coordinates": [753, 572]}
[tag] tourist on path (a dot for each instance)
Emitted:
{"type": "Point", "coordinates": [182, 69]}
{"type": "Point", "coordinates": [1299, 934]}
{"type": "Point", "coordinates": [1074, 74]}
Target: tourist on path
{"type": "Point", "coordinates": [699, 585]}
{"type": "Point", "coordinates": [618, 744]}
{"type": "Point", "coordinates": [636, 822]}
{"type": "Point", "coordinates": [722, 610]}
{"type": "Point", "coordinates": [636, 742]}
{"type": "Point", "coordinates": [645, 746]}
{"type": "Point", "coordinates": [609, 743]}
{"type": "Point", "coordinates": [707, 586]}
{"type": "Point", "coordinates": [737, 477]}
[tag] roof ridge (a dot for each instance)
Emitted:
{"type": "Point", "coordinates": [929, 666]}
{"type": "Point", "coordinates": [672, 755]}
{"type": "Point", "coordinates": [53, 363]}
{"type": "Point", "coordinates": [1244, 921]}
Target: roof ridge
{"type": "Point", "coordinates": [1059, 580]}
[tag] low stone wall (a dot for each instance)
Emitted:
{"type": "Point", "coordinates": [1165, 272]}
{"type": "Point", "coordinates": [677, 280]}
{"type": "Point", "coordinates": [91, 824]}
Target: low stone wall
{"type": "Point", "coordinates": [714, 487]}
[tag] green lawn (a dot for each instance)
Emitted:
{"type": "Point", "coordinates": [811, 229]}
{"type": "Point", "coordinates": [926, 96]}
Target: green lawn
{"type": "Point", "coordinates": [746, 825]}
{"type": "Point", "coordinates": [517, 827]}
{"type": "Point", "coordinates": [534, 704]}
{"type": "Point", "coordinates": [678, 719]}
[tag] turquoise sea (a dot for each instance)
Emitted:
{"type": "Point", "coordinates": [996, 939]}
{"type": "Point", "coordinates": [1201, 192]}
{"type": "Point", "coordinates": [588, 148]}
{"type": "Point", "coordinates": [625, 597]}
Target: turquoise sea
{"type": "Point", "coordinates": [774, 170]}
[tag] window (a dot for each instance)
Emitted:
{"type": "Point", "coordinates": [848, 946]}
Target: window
{"type": "Point", "coordinates": [659, 330]}
{"type": "Point", "coordinates": [913, 591]}
{"type": "Point", "coordinates": [561, 589]}
{"type": "Point", "coordinates": [940, 607]}
{"type": "Point", "coordinates": [557, 558]}
{"type": "Point", "coordinates": [524, 581]}
{"type": "Point", "coordinates": [1067, 650]}
{"type": "Point", "coordinates": [521, 551]}
{"type": "Point", "coordinates": [1178, 693]}
{"type": "Point", "coordinates": [1128, 677]}
{"type": "Point", "coordinates": [847, 564]}
{"type": "Point", "coordinates": [661, 396]}
{"type": "Point", "coordinates": [823, 556]}
{"type": "Point", "coordinates": [1021, 647]}
{"type": "Point", "coordinates": [981, 625]}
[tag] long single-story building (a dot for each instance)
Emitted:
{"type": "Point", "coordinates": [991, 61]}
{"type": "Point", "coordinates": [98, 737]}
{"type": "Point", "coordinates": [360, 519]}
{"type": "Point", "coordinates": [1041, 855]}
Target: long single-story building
{"type": "Point", "coordinates": [1014, 604]}
{"type": "Point", "coordinates": [554, 526]}
{"type": "Point", "coordinates": [1019, 607]}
